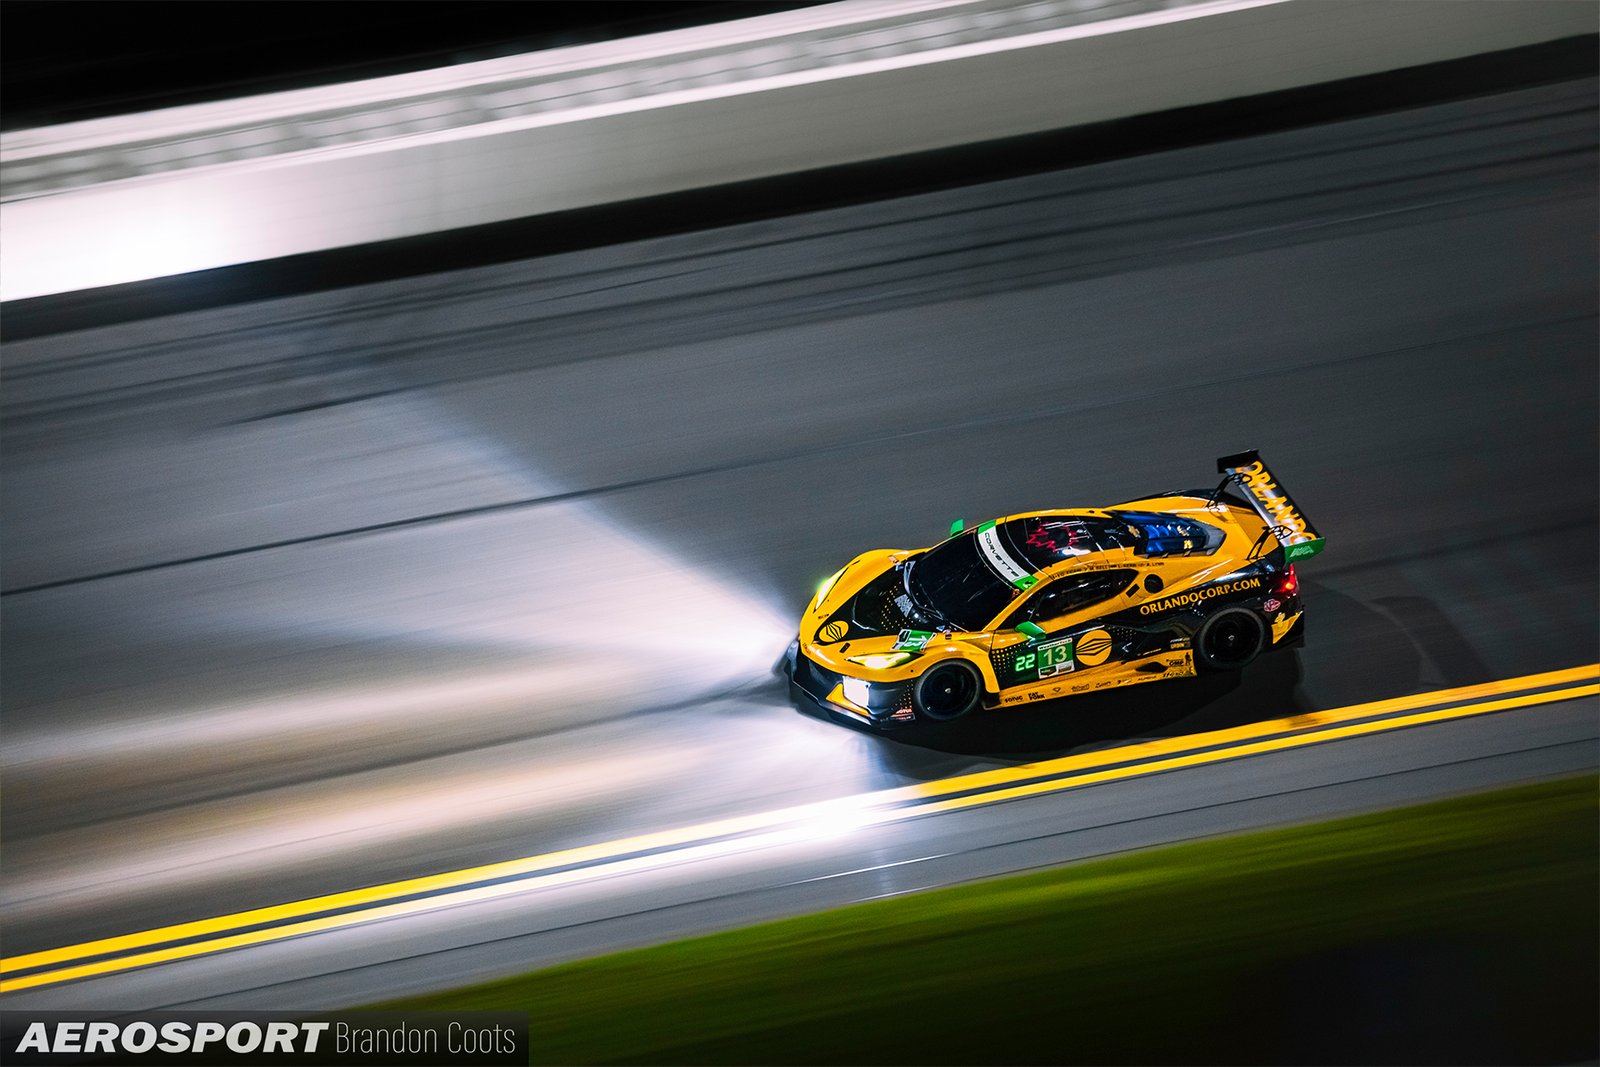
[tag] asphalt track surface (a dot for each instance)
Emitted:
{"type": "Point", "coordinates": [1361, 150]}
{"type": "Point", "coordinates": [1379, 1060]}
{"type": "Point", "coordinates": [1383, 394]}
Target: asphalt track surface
{"type": "Point", "coordinates": [314, 594]}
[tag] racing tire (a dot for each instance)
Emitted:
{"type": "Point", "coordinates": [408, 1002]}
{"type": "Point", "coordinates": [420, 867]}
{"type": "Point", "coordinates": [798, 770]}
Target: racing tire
{"type": "Point", "coordinates": [948, 691]}
{"type": "Point", "coordinates": [1230, 639]}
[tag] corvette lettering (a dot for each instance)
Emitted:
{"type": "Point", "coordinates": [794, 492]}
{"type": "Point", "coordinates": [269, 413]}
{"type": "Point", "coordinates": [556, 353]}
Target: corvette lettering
{"type": "Point", "coordinates": [1199, 596]}
{"type": "Point", "coordinates": [999, 559]}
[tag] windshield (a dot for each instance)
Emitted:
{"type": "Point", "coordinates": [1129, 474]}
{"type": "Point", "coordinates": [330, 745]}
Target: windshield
{"type": "Point", "coordinates": [955, 583]}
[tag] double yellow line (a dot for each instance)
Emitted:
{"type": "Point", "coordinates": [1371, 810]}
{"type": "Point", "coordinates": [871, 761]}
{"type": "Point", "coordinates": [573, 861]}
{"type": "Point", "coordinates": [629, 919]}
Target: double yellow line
{"type": "Point", "coordinates": [394, 899]}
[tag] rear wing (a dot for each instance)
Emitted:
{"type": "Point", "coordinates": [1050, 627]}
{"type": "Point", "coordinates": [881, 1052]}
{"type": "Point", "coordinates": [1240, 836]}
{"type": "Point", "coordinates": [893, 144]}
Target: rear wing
{"type": "Point", "coordinates": [1273, 503]}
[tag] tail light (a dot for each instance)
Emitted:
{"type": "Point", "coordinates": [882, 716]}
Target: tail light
{"type": "Point", "coordinates": [1288, 584]}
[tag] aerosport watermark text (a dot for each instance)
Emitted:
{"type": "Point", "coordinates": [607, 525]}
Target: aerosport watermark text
{"type": "Point", "coordinates": [263, 1037]}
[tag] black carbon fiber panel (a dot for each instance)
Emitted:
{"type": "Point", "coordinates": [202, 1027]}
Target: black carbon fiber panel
{"type": "Point", "coordinates": [816, 681]}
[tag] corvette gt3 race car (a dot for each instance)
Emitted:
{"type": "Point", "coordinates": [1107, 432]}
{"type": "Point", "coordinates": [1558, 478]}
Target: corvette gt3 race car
{"type": "Point", "coordinates": [1049, 604]}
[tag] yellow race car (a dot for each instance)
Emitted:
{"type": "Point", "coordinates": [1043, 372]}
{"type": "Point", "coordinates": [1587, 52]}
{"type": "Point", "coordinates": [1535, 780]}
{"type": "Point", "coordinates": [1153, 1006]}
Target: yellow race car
{"type": "Point", "coordinates": [1054, 603]}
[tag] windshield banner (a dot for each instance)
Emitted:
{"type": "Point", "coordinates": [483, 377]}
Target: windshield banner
{"type": "Point", "coordinates": [1000, 559]}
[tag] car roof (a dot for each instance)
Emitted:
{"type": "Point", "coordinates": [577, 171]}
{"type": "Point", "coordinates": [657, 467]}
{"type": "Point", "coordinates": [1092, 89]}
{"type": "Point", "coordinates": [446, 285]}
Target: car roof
{"type": "Point", "coordinates": [1224, 520]}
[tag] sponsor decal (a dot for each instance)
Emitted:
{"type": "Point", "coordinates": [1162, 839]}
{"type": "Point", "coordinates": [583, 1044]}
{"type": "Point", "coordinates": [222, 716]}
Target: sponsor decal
{"type": "Point", "coordinates": [1000, 560]}
{"type": "Point", "coordinates": [1282, 625]}
{"type": "Point", "coordinates": [1271, 604]}
{"type": "Point", "coordinates": [1199, 596]}
{"type": "Point", "coordinates": [1274, 500]}
{"type": "Point", "coordinates": [1042, 661]}
{"type": "Point", "coordinates": [913, 640]}
{"type": "Point", "coordinates": [1303, 550]}
{"type": "Point", "coordinates": [1084, 688]}
{"type": "Point", "coordinates": [1094, 648]}
{"type": "Point", "coordinates": [834, 631]}
{"type": "Point", "coordinates": [1055, 658]}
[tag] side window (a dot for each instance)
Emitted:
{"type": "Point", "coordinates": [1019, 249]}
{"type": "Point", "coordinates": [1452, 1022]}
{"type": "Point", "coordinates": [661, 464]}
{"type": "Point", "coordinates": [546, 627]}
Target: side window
{"type": "Point", "coordinates": [1071, 593]}
{"type": "Point", "coordinates": [1170, 535]}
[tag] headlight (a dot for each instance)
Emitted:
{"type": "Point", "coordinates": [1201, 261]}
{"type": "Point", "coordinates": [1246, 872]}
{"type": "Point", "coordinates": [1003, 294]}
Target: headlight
{"type": "Point", "coordinates": [827, 585]}
{"type": "Point", "coordinates": [855, 691]}
{"type": "Point", "coordinates": [884, 660]}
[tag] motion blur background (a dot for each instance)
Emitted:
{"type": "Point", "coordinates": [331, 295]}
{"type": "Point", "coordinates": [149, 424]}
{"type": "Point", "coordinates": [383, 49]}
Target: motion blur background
{"type": "Point", "coordinates": [427, 470]}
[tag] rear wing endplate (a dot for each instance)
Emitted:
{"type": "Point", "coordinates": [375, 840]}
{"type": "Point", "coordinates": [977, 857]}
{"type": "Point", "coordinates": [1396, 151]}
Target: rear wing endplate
{"type": "Point", "coordinates": [1273, 503]}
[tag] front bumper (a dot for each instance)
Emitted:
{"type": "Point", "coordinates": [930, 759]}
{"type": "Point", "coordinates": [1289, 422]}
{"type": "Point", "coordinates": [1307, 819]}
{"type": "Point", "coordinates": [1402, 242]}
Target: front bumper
{"type": "Point", "coordinates": [875, 703]}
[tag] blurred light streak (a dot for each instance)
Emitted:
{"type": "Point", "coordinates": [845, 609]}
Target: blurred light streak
{"type": "Point", "coordinates": [604, 624]}
{"type": "Point", "coordinates": [597, 614]}
{"type": "Point", "coordinates": [222, 727]}
{"type": "Point", "coordinates": [159, 226]}
{"type": "Point", "coordinates": [252, 836]}
{"type": "Point", "coordinates": [796, 826]}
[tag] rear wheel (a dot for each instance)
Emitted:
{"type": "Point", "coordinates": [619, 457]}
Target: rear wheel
{"type": "Point", "coordinates": [1230, 639]}
{"type": "Point", "coordinates": [948, 691]}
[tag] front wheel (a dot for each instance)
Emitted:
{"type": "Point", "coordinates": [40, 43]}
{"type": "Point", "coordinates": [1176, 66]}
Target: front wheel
{"type": "Point", "coordinates": [1229, 639]}
{"type": "Point", "coordinates": [948, 691]}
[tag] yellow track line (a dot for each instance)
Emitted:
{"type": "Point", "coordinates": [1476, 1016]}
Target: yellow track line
{"type": "Point", "coordinates": [1308, 721]}
{"type": "Point", "coordinates": [705, 831]}
{"type": "Point", "coordinates": [466, 896]}
{"type": "Point", "coordinates": [1276, 744]}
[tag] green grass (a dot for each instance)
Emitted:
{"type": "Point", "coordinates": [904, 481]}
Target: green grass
{"type": "Point", "coordinates": [1454, 932]}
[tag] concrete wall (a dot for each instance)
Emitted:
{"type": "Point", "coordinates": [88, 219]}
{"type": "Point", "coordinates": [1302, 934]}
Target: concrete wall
{"type": "Point", "coordinates": [249, 209]}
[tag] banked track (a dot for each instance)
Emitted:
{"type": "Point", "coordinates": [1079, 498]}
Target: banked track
{"type": "Point", "coordinates": [279, 578]}
{"type": "Point", "coordinates": [753, 832]}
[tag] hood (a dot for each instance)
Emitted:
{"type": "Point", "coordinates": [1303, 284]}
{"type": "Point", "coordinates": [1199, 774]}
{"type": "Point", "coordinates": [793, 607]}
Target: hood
{"type": "Point", "coordinates": [873, 604]}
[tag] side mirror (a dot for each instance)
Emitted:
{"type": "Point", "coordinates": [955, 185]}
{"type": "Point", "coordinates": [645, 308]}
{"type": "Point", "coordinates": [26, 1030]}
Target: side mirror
{"type": "Point", "coordinates": [957, 526]}
{"type": "Point", "coordinates": [1032, 630]}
